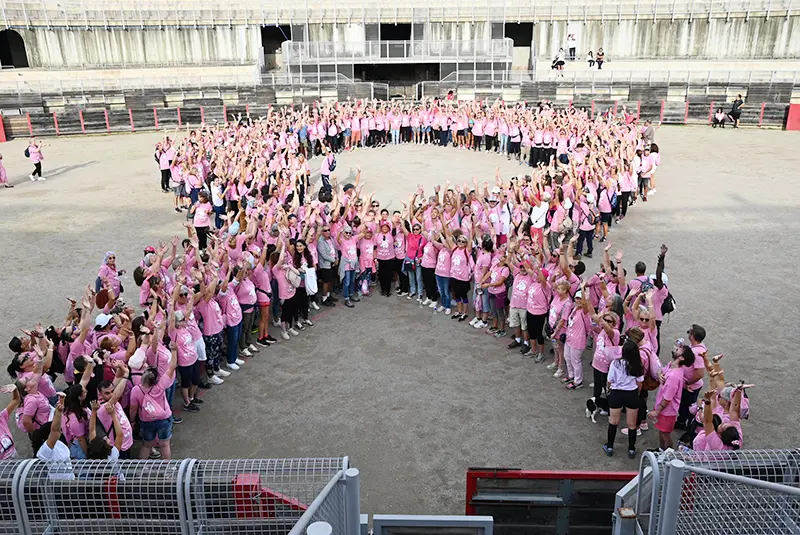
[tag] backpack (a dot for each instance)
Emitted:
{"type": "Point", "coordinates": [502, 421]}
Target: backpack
{"type": "Point", "coordinates": [650, 383]}
{"type": "Point", "coordinates": [612, 199]}
{"type": "Point", "coordinates": [668, 305]}
{"type": "Point", "coordinates": [591, 217]}
{"type": "Point", "coordinates": [27, 153]}
{"type": "Point", "coordinates": [332, 165]}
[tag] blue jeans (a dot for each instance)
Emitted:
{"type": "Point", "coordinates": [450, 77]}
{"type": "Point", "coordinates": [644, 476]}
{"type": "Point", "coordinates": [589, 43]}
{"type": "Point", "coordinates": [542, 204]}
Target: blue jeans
{"type": "Point", "coordinates": [170, 392]}
{"type": "Point", "coordinates": [347, 283]}
{"type": "Point", "coordinates": [443, 284]}
{"type": "Point", "coordinates": [503, 143]}
{"type": "Point", "coordinates": [218, 211]}
{"type": "Point", "coordinates": [395, 136]}
{"type": "Point", "coordinates": [275, 303]}
{"type": "Point", "coordinates": [415, 281]}
{"type": "Point", "coordinates": [233, 341]}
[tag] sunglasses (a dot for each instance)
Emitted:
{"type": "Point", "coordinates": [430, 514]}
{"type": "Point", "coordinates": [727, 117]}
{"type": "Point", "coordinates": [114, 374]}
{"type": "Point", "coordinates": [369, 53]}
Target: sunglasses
{"type": "Point", "coordinates": [347, 233]}
{"type": "Point", "coordinates": [326, 230]}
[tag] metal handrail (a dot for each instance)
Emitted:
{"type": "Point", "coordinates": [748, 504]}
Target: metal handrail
{"type": "Point", "coordinates": [734, 478]}
{"type": "Point", "coordinates": [309, 513]}
{"type": "Point", "coordinates": [298, 52]}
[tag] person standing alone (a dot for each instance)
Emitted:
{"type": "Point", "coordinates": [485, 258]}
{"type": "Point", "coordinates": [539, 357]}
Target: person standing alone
{"type": "Point", "coordinates": [34, 152]}
{"type": "Point", "coordinates": [572, 44]}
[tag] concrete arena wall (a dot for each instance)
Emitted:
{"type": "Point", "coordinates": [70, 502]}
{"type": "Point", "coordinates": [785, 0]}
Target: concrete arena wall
{"type": "Point", "coordinates": [60, 48]}
{"type": "Point", "coordinates": [701, 38]}
{"type": "Point", "coordinates": [776, 37]}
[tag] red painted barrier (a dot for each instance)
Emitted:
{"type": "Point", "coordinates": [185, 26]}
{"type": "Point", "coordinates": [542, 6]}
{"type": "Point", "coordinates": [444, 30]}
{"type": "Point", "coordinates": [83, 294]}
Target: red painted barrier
{"type": "Point", "coordinates": [570, 103]}
{"type": "Point", "coordinates": [474, 474]}
{"type": "Point", "coordinates": [108, 125]}
{"type": "Point", "coordinates": [686, 113]}
{"type": "Point", "coordinates": [638, 110]}
{"type": "Point", "coordinates": [83, 125]}
{"type": "Point", "coordinates": [761, 115]}
{"type": "Point", "coordinates": [793, 118]}
{"type": "Point", "coordinates": [710, 112]}
{"type": "Point", "coordinates": [179, 118]}
{"type": "Point", "coordinates": [130, 114]}
{"type": "Point", "coordinates": [30, 126]}
{"type": "Point", "coordinates": [2, 131]}
{"type": "Point", "coordinates": [55, 123]}
{"type": "Point", "coordinates": [592, 115]}
{"type": "Point", "coordinates": [155, 116]}
{"type": "Point", "coordinates": [661, 115]}
{"type": "Point", "coordinates": [202, 115]}
{"type": "Point", "coordinates": [247, 109]}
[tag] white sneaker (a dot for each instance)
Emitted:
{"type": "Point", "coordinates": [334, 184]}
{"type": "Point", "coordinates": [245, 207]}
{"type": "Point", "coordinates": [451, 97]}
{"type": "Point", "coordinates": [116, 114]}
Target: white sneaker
{"type": "Point", "coordinates": [314, 305]}
{"type": "Point", "coordinates": [276, 322]}
{"type": "Point", "coordinates": [233, 366]}
{"type": "Point", "coordinates": [419, 299]}
{"type": "Point", "coordinates": [409, 297]}
{"type": "Point", "coordinates": [294, 332]}
{"type": "Point", "coordinates": [309, 323]}
{"type": "Point", "coordinates": [223, 373]}
{"type": "Point", "coordinates": [447, 311]}
{"type": "Point", "coordinates": [474, 321]}
{"type": "Point", "coordinates": [559, 373]}
{"type": "Point", "coordinates": [214, 380]}
{"type": "Point", "coordinates": [245, 353]}
{"type": "Point", "coordinates": [650, 192]}
{"type": "Point", "coordinates": [426, 302]}
{"type": "Point", "coordinates": [653, 191]}
{"type": "Point", "coordinates": [239, 362]}
{"type": "Point", "coordinates": [285, 335]}
{"type": "Point", "coordinates": [480, 324]}
{"type": "Point", "coordinates": [252, 348]}
{"type": "Point", "coordinates": [33, 179]}
{"type": "Point", "coordinates": [624, 430]}
{"type": "Point", "coordinates": [41, 178]}
{"type": "Point", "coordinates": [439, 309]}
{"type": "Point", "coordinates": [432, 304]}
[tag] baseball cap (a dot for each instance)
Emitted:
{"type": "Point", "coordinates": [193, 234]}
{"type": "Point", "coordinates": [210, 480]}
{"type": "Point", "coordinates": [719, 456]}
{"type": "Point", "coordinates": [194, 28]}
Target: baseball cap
{"type": "Point", "coordinates": [102, 320]}
{"type": "Point", "coordinates": [149, 249]}
{"type": "Point", "coordinates": [496, 190]}
{"type": "Point", "coordinates": [578, 294]}
{"type": "Point", "coordinates": [493, 199]}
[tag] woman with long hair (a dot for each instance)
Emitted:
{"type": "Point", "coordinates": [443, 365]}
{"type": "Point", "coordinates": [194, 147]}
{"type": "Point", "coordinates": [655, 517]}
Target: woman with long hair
{"type": "Point", "coordinates": [75, 421]}
{"type": "Point", "coordinates": [625, 376]}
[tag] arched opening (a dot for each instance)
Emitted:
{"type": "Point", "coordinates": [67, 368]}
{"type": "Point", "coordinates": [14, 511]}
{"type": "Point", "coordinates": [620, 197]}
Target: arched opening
{"type": "Point", "coordinates": [12, 50]}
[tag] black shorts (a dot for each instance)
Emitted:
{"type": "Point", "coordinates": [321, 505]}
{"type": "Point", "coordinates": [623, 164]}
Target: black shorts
{"type": "Point", "coordinates": [460, 289]}
{"type": "Point", "coordinates": [462, 133]}
{"type": "Point", "coordinates": [605, 217]}
{"type": "Point", "coordinates": [325, 274]}
{"type": "Point", "coordinates": [623, 398]}
{"type": "Point", "coordinates": [190, 375]}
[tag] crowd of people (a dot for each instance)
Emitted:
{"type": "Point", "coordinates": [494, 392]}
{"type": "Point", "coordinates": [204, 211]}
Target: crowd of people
{"type": "Point", "coordinates": [264, 247]}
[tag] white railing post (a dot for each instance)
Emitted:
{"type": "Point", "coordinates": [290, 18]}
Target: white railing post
{"type": "Point", "coordinates": [353, 500]}
{"type": "Point", "coordinates": [671, 497]}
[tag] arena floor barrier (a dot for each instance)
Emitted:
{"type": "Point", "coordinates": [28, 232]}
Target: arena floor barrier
{"type": "Point", "coordinates": [544, 501]}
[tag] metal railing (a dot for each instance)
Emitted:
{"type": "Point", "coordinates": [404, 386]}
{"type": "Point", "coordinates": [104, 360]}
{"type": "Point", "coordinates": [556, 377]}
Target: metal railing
{"type": "Point", "coordinates": [691, 77]}
{"type": "Point", "coordinates": [142, 13]}
{"type": "Point", "coordinates": [188, 497]}
{"type": "Point", "coordinates": [298, 52]}
{"type": "Point", "coordinates": [723, 492]}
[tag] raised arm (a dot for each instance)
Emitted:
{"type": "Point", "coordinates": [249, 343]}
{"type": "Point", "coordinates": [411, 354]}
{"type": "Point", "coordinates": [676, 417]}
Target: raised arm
{"type": "Point", "coordinates": [658, 283]}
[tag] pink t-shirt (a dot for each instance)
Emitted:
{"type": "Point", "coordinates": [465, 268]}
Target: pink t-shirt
{"type": "Point", "coordinates": [497, 273]}
{"type": "Point", "coordinates": [519, 290]}
{"type": "Point", "coordinates": [670, 390]}
{"type": "Point", "coordinates": [367, 248]}
{"type": "Point", "coordinates": [212, 316]}
{"type": "Point", "coordinates": [7, 448]}
{"type": "Point", "coordinates": [285, 290]}
{"type": "Point", "coordinates": [429, 255]}
{"type": "Point", "coordinates": [187, 354]}
{"type": "Point", "coordinates": [578, 327]}
{"type": "Point", "coordinates": [72, 427]}
{"type": "Point", "coordinates": [461, 264]}
{"type": "Point", "coordinates": [600, 361]}
{"type": "Point", "coordinates": [124, 423]}
{"type": "Point", "coordinates": [260, 278]}
{"type": "Point", "coordinates": [152, 401]}
{"type": "Point", "coordinates": [385, 246]}
{"type": "Point", "coordinates": [245, 293]}
{"type": "Point", "coordinates": [38, 408]}
{"type": "Point", "coordinates": [349, 248]}
{"type": "Point", "coordinates": [442, 261]}
{"type": "Point", "coordinates": [201, 215]}
{"type": "Point", "coordinates": [538, 298]}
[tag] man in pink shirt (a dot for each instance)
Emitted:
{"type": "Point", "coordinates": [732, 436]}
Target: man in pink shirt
{"type": "Point", "coordinates": [668, 401]}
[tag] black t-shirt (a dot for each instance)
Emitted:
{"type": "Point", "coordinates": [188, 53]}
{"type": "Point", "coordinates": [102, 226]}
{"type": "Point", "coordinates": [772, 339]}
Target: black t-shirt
{"type": "Point", "coordinates": [737, 104]}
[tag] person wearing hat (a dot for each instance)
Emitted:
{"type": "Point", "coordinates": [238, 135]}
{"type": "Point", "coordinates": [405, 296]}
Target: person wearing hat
{"type": "Point", "coordinates": [579, 326]}
{"type": "Point", "coordinates": [585, 216]}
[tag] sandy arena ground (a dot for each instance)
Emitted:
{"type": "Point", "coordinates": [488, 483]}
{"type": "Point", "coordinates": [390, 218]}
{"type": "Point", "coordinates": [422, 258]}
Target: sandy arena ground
{"type": "Point", "coordinates": [413, 398]}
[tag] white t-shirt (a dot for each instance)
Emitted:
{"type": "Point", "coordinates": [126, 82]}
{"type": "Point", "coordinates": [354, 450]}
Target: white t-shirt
{"type": "Point", "coordinates": [59, 460]}
{"type": "Point", "coordinates": [539, 215]}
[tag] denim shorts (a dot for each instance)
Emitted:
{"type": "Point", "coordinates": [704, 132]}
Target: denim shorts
{"type": "Point", "coordinates": [158, 428]}
{"type": "Point", "coordinates": [347, 132]}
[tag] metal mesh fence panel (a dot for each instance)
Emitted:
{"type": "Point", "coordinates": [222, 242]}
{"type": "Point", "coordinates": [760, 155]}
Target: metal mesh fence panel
{"type": "Point", "coordinates": [256, 496]}
{"type": "Point", "coordinates": [709, 504]}
{"type": "Point", "coordinates": [9, 518]}
{"type": "Point", "coordinates": [332, 509]}
{"type": "Point", "coordinates": [101, 497]}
